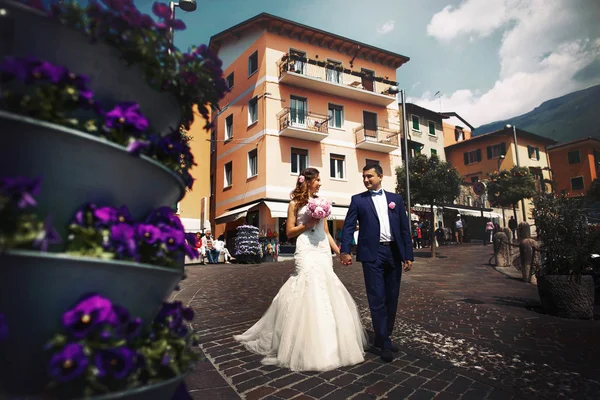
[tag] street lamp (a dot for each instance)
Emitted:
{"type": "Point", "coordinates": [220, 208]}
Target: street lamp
{"type": "Point", "coordinates": [395, 90]}
{"type": "Point", "coordinates": [185, 5]}
{"type": "Point", "coordinates": [514, 129]}
{"type": "Point", "coordinates": [502, 157]}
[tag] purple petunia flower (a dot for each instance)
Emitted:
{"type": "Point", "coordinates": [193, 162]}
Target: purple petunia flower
{"type": "Point", "coordinates": [115, 363]}
{"type": "Point", "coordinates": [47, 236]}
{"type": "Point", "coordinates": [88, 314]}
{"type": "Point", "coordinates": [68, 364]}
{"type": "Point", "coordinates": [3, 328]}
{"type": "Point", "coordinates": [148, 233]}
{"type": "Point", "coordinates": [126, 115]}
{"type": "Point", "coordinates": [123, 240]}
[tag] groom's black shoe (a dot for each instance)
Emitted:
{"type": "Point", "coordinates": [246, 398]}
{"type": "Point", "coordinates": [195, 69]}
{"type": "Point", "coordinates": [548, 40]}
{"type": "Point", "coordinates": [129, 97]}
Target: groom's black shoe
{"type": "Point", "coordinates": [387, 355]}
{"type": "Point", "coordinates": [393, 347]}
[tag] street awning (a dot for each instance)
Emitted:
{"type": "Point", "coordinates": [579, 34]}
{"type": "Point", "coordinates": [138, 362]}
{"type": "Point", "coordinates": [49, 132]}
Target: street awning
{"type": "Point", "coordinates": [338, 213]}
{"type": "Point", "coordinates": [233, 215]}
{"type": "Point", "coordinates": [464, 211]}
{"type": "Point", "coordinates": [278, 210]}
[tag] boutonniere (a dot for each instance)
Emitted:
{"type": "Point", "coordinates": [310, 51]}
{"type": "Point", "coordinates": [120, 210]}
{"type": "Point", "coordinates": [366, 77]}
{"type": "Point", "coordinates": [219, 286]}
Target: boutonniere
{"type": "Point", "coordinates": [392, 205]}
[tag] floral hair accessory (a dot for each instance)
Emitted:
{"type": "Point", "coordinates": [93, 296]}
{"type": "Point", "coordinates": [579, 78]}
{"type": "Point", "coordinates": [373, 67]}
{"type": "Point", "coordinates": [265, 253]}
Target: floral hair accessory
{"type": "Point", "coordinates": [301, 178]}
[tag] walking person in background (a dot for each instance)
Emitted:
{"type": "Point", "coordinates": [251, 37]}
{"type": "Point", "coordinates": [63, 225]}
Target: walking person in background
{"type": "Point", "coordinates": [460, 231]}
{"type": "Point", "coordinates": [512, 224]}
{"type": "Point", "coordinates": [489, 232]}
{"type": "Point", "coordinates": [417, 235]}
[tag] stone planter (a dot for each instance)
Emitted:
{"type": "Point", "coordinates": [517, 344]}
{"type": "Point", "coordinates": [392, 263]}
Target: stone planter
{"type": "Point", "coordinates": [77, 168]}
{"type": "Point", "coordinates": [158, 391]}
{"type": "Point", "coordinates": [567, 296]}
{"type": "Point", "coordinates": [30, 32]}
{"type": "Point", "coordinates": [37, 288]}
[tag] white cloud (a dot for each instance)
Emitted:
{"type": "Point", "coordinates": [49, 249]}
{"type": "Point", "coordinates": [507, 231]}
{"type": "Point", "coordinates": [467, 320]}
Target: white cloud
{"type": "Point", "coordinates": [544, 44]}
{"type": "Point", "coordinates": [386, 27]}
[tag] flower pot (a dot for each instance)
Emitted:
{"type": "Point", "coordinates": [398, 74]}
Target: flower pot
{"type": "Point", "coordinates": [30, 32]}
{"type": "Point", "coordinates": [37, 288]}
{"type": "Point", "coordinates": [567, 296]}
{"type": "Point", "coordinates": [158, 391]}
{"type": "Point", "coordinates": [77, 168]}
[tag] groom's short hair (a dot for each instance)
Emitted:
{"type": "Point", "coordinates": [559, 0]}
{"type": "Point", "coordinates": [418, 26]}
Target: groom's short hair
{"type": "Point", "coordinates": [376, 167]}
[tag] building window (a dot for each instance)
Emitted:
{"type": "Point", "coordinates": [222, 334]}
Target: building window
{"type": "Point", "coordinates": [577, 183]}
{"type": "Point", "coordinates": [252, 163]}
{"type": "Point", "coordinates": [496, 151]}
{"type": "Point", "coordinates": [533, 152]}
{"type": "Point", "coordinates": [253, 63]}
{"type": "Point", "coordinates": [474, 179]}
{"type": "Point", "coordinates": [332, 71]}
{"type": "Point", "coordinates": [574, 157]}
{"type": "Point", "coordinates": [336, 116]}
{"type": "Point", "coordinates": [298, 59]}
{"type": "Point", "coordinates": [228, 181]}
{"type": "Point", "coordinates": [472, 157]}
{"type": "Point", "coordinates": [299, 160]}
{"type": "Point", "coordinates": [336, 166]}
{"type": "Point", "coordinates": [229, 127]}
{"type": "Point", "coordinates": [459, 135]}
{"type": "Point", "coordinates": [230, 80]}
{"type": "Point", "coordinates": [253, 110]}
{"type": "Point", "coordinates": [370, 161]}
{"type": "Point", "coordinates": [433, 152]}
{"type": "Point", "coordinates": [416, 125]}
{"type": "Point", "coordinates": [431, 128]}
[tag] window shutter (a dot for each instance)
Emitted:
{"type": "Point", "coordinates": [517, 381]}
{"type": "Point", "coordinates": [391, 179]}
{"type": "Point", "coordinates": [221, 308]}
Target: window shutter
{"type": "Point", "coordinates": [466, 158]}
{"type": "Point", "coordinates": [489, 152]}
{"type": "Point", "coordinates": [529, 151]}
{"type": "Point", "coordinates": [537, 153]}
{"type": "Point", "coordinates": [503, 148]}
{"type": "Point", "coordinates": [478, 154]}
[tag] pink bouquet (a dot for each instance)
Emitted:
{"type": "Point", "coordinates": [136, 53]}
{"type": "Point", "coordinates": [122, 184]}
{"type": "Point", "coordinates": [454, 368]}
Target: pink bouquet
{"type": "Point", "coordinates": [318, 208]}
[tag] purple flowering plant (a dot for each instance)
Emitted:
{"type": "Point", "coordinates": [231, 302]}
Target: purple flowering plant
{"type": "Point", "coordinates": [194, 78]}
{"type": "Point", "coordinates": [20, 227]}
{"type": "Point", "coordinates": [102, 348]}
{"type": "Point", "coordinates": [111, 233]}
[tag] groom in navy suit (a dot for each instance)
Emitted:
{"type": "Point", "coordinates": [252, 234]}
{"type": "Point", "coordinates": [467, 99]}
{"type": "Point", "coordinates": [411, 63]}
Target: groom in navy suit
{"type": "Point", "coordinates": [384, 248]}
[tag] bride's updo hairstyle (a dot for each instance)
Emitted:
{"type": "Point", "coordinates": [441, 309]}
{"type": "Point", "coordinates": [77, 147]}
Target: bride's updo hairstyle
{"type": "Point", "coordinates": [300, 192]}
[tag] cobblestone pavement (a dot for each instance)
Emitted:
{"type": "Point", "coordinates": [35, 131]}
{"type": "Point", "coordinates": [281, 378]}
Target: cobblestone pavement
{"type": "Point", "coordinates": [465, 332]}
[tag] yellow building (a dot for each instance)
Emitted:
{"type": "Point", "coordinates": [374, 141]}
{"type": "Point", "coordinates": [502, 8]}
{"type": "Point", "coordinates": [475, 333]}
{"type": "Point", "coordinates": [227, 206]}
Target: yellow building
{"type": "Point", "coordinates": [194, 207]}
{"type": "Point", "coordinates": [477, 157]}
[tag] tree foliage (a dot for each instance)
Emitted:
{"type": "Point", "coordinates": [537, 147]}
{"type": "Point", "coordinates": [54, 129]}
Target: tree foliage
{"type": "Point", "coordinates": [507, 187]}
{"type": "Point", "coordinates": [593, 192]}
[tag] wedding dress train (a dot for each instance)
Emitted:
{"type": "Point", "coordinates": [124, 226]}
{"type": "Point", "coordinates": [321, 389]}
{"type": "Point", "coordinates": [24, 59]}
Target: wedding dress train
{"type": "Point", "coordinates": [312, 323]}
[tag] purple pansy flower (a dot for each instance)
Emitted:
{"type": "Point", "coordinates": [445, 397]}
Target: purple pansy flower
{"type": "Point", "coordinates": [115, 363]}
{"type": "Point", "coordinates": [174, 239]}
{"type": "Point", "coordinates": [85, 215]}
{"type": "Point", "coordinates": [68, 364]}
{"type": "Point", "coordinates": [105, 216]}
{"type": "Point", "coordinates": [123, 215]}
{"type": "Point", "coordinates": [55, 73]}
{"type": "Point", "coordinates": [135, 147]}
{"type": "Point", "coordinates": [88, 314]}
{"type": "Point", "coordinates": [18, 67]}
{"type": "Point", "coordinates": [21, 189]}
{"type": "Point", "coordinates": [47, 236]}
{"type": "Point", "coordinates": [123, 240]}
{"type": "Point", "coordinates": [161, 10]}
{"type": "Point", "coordinates": [166, 216]}
{"type": "Point", "coordinates": [148, 233]}
{"type": "Point", "coordinates": [3, 328]}
{"type": "Point", "coordinates": [126, 114]}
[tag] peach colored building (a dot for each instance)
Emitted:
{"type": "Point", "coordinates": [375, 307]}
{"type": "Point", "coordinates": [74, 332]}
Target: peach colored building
{"type": "Point", "coordinates": [299, 97]}
{"type": "Point", "coordinates": [477, 157]}
{"type": "Point", "coordinates": [194, 208]}
{"type": "Point", "coordinates": [575, 165]}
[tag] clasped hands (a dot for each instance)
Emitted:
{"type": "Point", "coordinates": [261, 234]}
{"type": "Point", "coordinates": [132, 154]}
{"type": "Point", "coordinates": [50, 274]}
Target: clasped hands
{"type": "Point", "coordinates": [346, 259]}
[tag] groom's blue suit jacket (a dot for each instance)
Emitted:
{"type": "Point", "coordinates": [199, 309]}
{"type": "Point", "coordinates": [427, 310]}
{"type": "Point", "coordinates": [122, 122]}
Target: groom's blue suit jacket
{"type": "Point", "coordinates": [362, 209]}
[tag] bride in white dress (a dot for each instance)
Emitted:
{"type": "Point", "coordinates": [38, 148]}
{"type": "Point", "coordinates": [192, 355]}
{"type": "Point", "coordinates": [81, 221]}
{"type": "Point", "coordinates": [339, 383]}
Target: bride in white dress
{"type": "Point", "coordinates": [313, 323]}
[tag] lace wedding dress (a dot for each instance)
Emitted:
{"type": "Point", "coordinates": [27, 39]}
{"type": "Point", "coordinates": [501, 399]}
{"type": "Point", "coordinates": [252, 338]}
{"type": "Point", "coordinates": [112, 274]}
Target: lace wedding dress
{"type": "Point", "coordinates": [312, 323]}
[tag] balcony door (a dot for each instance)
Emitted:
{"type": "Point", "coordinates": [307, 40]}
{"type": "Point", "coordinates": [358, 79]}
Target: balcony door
{"type": "Point", "coordinates": [370, 125]}
{"type": "Point", "coordinates": [299, 59]}
{"type": "Point", "coordinates": [298, 111]}
{"type": "Point", "coordinates": [367, 82]}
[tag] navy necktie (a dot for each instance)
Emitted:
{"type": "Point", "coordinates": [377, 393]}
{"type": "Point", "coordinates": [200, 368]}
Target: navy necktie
{"type": "Point", "coordinates": [376, 192]}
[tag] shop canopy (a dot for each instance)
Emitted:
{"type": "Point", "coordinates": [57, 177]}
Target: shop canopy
{"type": "Point", "coordinates": [233, 215]}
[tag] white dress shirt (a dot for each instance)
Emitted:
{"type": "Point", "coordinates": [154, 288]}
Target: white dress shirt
{"type": "Point", "coordinates": [381, 206]}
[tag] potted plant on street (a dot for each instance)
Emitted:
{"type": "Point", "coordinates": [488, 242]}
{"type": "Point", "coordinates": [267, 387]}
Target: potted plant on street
{"type": "Point", "coordinates": [564, 286]}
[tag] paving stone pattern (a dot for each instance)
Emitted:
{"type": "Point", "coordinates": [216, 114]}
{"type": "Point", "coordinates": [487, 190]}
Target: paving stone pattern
{"type": "Point", "coordinates": [465, 332]}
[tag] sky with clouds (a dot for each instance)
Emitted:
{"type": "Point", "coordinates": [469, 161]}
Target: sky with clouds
{"type": "Point", "coordinates": [484, 59]}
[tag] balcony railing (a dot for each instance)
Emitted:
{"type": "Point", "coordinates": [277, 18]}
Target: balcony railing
{"type": "Point", "coordinates": [377, 139]}
{"type": "Point", "coordinates": [315, 125]}
{"type": "Point", "coordinates": [337, 75]}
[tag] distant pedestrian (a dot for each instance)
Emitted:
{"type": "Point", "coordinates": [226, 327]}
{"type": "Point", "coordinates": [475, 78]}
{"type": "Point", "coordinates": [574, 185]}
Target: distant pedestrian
{"type": "Point", "coordinates": [460, 231]}
{"type": "Point", "coordinates": [512, 224]}
{"type": "Point", "coordinates": [489, 232]}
